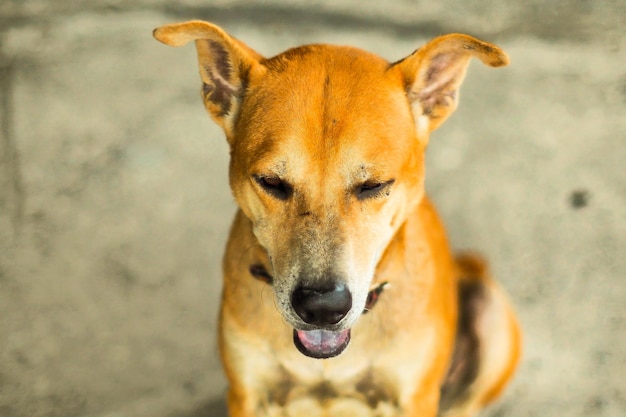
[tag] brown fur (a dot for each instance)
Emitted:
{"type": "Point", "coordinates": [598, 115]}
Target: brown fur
{"type": "Point", "coordinates": [327, 167]}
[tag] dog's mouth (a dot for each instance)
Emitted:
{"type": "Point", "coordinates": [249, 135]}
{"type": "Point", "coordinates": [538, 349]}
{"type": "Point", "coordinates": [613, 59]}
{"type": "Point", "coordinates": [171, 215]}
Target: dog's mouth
{"type": "Point", "coordinates": [321, 344]}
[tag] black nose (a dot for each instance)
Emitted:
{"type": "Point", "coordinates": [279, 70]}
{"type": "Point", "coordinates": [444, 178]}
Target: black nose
{"type": "Point", "coordinates": [322, 305]}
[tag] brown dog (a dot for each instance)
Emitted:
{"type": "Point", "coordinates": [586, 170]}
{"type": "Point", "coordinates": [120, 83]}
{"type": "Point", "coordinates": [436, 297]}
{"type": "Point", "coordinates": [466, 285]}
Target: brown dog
{"type": "Point", "coordinates": [327, 167]}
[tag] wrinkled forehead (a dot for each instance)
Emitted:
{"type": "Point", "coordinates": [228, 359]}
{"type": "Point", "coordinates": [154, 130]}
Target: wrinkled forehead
{"type": "Point", "coordinates": [326, 102]}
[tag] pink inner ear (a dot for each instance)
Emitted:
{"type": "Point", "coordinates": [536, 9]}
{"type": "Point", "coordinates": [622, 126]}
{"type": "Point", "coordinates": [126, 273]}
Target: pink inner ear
{"type": "Point", "coordinates": [442, 69]}
{"type": "Point", "coordinates": [438, 64]}
{"type": "Point", "coordinates": [439, 80]}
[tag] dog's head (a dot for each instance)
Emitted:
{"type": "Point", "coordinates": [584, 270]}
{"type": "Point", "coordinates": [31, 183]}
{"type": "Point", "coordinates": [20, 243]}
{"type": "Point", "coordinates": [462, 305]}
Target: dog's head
{"type": "Point", "coordinates": [327, 158]}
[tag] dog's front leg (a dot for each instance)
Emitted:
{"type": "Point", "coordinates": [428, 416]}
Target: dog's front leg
{"type": "Point", "coordinates": [423, 408]}
{"type": "Point", "coordinates": [236, 409]}
{"type": "Point", "coordinates": [425, 402]}
{"type": "Point", "coordinates": [243, 404]}
{"type": "Point", "coordinates": [237, 404]}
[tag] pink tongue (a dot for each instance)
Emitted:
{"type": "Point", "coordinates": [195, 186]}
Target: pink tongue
{"type": "Point", "coordinates": [321, 343]}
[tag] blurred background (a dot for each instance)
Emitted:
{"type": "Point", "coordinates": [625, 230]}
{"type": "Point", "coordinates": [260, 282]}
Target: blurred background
{"type": "Point", "coordinates": [114, 204]}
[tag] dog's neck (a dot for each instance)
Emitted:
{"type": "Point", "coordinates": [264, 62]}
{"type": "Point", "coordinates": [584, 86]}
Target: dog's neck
{"type": "Point", "coordinates": [259, 272]}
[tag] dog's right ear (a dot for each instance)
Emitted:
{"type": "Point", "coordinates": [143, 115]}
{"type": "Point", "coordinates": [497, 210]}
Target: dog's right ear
{"type": "Point", "coordinates": [225, 66]}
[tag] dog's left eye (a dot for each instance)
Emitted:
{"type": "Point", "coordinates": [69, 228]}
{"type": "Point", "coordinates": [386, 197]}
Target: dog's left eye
{"type": "Point", "coordinates": [274, 186]}
{"type": "Point", "coordinates": [373, 189]}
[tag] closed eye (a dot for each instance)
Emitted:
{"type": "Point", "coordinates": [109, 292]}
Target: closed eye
{"type": "Point", "coordinates": [274, 186]}
{"type": "Point", "coordinates": [373, 189]}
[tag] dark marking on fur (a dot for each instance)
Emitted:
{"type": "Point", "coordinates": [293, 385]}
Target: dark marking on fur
{"type": "Point", "coordinates": [393, 64]}
{"type": "Point", "coordinates": [473, 46]}
{"type": "Point", "coordinates": [465, 364]}
{"type": "Point", "coordinates": [324, 392]}
{"type": "Point", "coordinates": [221, 59]}
{"type": "Point", "coordinates": [207, 89]}
{"type": "Point", "coordinates": [375, 392]}
{"type": "Point", "coordinates": [244, 79]}
{"type": "Point", "coordinates": [279, 392]}
{"type": "Point", "coordinates": [219, 93]}
{"type": "Point", "coordinates": [486, 48]}
{"type": "Point", "coordinates": [219, 72]}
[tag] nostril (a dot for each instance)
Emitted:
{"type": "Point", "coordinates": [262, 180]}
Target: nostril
{"type": "Point", "coordinates": [322, 305]}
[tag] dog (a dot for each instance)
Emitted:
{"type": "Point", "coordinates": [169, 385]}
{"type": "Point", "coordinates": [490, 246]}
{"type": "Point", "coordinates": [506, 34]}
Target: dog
{"type": "Point", "coordinates": [341, 296]}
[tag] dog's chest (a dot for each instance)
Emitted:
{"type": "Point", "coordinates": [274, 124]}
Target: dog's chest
{"type": "Point", "coordinates": [325, 400]}
{"type": "Point", "coordinates": [364, 394]}
{"type": "Point", "coordinates": [355, 384]}
{"type": "Point", "coordinates": [337, 407]}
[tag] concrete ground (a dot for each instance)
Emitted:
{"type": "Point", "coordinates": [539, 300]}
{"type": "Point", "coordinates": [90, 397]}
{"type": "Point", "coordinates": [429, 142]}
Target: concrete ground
{"type": "Point", "coordinates": [114, 203]}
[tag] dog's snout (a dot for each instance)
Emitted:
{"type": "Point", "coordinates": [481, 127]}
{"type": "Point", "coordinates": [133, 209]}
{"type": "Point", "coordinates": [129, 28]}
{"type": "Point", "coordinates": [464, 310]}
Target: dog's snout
{"type": "Point", "coordinates": [322, 305]}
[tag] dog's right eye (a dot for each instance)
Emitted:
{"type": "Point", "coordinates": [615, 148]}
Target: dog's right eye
{"type": "Point", "coordinates": [274, 186]}
{"type": "Point", "coordinates": [373, 189]}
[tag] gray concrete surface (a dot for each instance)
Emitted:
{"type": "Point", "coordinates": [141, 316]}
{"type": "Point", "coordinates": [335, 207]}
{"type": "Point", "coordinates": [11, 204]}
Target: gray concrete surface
{"type": "Point", "coordinates": [114, 203]}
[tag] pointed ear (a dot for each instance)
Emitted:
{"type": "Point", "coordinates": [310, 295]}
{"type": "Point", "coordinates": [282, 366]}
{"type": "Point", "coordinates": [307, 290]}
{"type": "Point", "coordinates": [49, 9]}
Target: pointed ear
{"type": "Point", "coordinates": [434, 73]}
{"type": "Point", "coordinates": [225, 66]}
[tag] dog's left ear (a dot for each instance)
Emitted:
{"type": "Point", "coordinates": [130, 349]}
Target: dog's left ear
{"type": "Point", "coordinates": [434, 73]}
{"type": "Point", "coordinates": [225, 66]}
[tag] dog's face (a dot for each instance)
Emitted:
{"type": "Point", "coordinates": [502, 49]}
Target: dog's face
{"type": "Point", "coordinates": [325, 163]}
{"type": "Point", "coordinates": [327, 147]}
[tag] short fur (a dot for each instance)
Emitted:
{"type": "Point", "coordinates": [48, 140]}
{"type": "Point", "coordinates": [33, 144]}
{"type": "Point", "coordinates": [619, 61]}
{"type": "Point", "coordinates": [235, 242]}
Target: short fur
{"type": "Point", "coordinates": [327, 166]}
